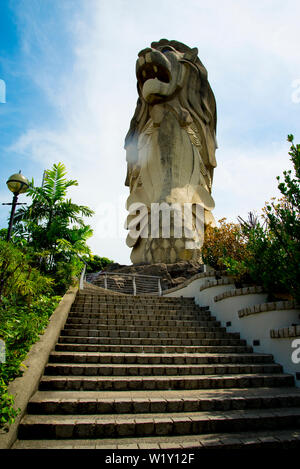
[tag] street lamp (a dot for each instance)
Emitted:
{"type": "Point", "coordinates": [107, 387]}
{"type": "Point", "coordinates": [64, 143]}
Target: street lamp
{"type": "Point", "coordinates": [17, 184]}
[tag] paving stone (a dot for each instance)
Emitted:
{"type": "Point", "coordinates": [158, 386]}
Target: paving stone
{"type": "Point", "coordinates": [123, 406]}
{"type": "Point", "coordinates": [163, 426]}
{"type": "Point", "coordinates": [158, 405]}
{"type": "Point", "coordinates": [145, 426]}
{"type": "Point", "coordinates": [104, 406]}
{"type": "Point", "coordinates": [125, 428]}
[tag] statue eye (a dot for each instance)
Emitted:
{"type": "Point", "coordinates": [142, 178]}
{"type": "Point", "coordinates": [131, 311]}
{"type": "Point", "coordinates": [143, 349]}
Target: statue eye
{"type": "Point", "coordinates": [166, 49]}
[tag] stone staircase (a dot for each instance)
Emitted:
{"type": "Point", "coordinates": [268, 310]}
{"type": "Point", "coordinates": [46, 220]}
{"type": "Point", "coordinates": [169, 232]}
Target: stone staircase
{"type": "Point", "coordinates": [157, 373]}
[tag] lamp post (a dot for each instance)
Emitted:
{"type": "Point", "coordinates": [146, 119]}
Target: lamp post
{"type": "Point", "coordinates": [17, 184]}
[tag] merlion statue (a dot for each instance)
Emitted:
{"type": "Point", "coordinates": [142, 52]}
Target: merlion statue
{"type": "Point", "coordinates": [170, 153]}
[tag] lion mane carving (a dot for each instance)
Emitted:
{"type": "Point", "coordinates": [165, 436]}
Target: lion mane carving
{"type": "Point", "coordinates": [170, 151]}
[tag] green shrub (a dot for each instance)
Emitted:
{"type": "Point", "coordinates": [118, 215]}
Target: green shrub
{"type": "Point", "coordinates": [272, 251]}
{"type": "Point", "coordinates": [20, 327]}
{"type": "Point", "coordinates": [41, 259]}
{"type": "Point", "coordinates": [67, 274]}
{"type": "Point", "coordinates": [96, 263]}
{"type": "Point", "coordinates": [221, 242]}
{"type": "Point", "coordinates": [7, 411]}
{"type": "Point", "coordinates": [18, 277]}
{"type": "Point", "coordinates": [262, 262]}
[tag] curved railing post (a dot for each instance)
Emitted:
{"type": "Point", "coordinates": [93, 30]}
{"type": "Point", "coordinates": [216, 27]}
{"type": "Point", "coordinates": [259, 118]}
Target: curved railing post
{"type": "Point", "coordinates": [159, 287]}
{"type": "Point", "coordinates": [134, 285]}
{"type": "Point", "coordinates": [81, 282]}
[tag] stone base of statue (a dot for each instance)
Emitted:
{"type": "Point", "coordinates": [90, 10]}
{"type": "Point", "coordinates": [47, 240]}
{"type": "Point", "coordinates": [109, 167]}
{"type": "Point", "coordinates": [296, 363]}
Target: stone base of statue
{"type": "Point", "coordinates": [167, 251]}
{"type": "Point", "coordinates": [171, 275]}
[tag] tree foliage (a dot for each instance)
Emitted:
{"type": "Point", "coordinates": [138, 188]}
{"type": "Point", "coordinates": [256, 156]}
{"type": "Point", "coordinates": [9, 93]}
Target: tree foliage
{"type": "Point", "coordinates": [53, 227]}
{"type": "Point", "coordinates": [221, 242]}
{"type": "Point", "coordinates": [18, 277]}
{"type": "Point", "coordinates": [264, 252]}
{"type": "Point", "coordinates": [96, 263]}
{"type": "Point", "coordinates": [51, 216]}
{"type": "Point", "coordinates": [284, 223]}
{"type": "Point", "coordinates": [43, 257]}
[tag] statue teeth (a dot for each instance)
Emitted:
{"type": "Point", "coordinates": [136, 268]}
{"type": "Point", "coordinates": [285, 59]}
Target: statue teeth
{"type": "Point", "coordinates": [141, 61]}
{"type": "Point", "coordinates": [144, 73]}
{"type": "Point", "coordinates": [155, 68]}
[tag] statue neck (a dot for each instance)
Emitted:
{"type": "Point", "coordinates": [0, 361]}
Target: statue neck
{"type": "Point", "coordinates": [159, 111]}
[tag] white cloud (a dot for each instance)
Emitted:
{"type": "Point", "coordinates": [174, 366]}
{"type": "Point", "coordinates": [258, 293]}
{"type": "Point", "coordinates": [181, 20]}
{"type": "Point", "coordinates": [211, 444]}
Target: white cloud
{"type": "Point", "coordinates": [246, 178]}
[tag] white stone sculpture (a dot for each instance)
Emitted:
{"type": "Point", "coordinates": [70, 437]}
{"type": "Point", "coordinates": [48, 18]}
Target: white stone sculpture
{"type": "Point", "coordinates": [170, 152]}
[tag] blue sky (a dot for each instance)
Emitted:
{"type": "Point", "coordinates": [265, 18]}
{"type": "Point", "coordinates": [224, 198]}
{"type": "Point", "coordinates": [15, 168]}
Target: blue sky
{"type": "Point", "coordinates": [69, 69]}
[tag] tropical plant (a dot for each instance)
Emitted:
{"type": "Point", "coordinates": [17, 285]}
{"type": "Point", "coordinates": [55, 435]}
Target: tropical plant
{"type": "Point", "coordinates": [272, 254]}
{"type": "Point", "coordinates": [41, 258]}
{"type": "Point", "coordinates": [251, 223]}
{"type": "Point", "coordinates": [20, 327]}
{"type": "Point", "coordinates": [53, 220]}
{"type": "Point", "coordinates": [283, 219]}
{"type": "Point", "coordinates": [96, 263]}
{"type": "Point", "coordinates": [7, 411]}
{"type": "Point", "coordinates": [221, 242]}
{"type": "Point", "coordinates": [261, 261]}
{"type": "Point", "coordinates": [17, 275]}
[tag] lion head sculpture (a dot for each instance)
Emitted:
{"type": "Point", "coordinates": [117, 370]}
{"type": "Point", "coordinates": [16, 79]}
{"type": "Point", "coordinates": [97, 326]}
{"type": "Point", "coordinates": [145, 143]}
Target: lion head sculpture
{"type": "Point", "coordinates": [172, 86]}
{"type": "Point", "coordinates": [167, 69]}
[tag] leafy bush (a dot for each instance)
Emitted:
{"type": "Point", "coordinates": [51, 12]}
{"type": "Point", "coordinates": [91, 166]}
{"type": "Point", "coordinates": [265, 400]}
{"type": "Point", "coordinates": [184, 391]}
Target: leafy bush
{"type": "Point", "coordinates": [284, 223]}
{"type": "Point", "coordinates": [261, 263]}
{"type": "Point", "coordinates": [25, 308]}
{"type": "Point", "coordinates": [67, 274]}
{"type": "Point", "coordinates": [268, 253]}
{"type": "Point", "coordinates": [41, 259]}
{"type": "Point", "coordinates": [221, 242]}
{"type": "Point", "coordinates": [96, 263]}
{"type": "Point", "coordinates": [20, 327]}
{"type": "Point", "coordinates": [7, 411]}
{"type": "Point", "coordinates": [18, 277]}
{"type": "Point", "coordinates": [53, 225]}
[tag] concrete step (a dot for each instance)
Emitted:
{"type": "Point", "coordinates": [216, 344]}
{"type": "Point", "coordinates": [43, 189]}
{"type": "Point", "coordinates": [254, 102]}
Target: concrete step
{"type": "Point", "coordinates": [138, 321]}
{"type": "Point", "coordinates": [84, 402]}
{"type": "Point", "coordinates": [88, 369]}
{"type": "Point", "coordinates": [96, 331]}
{"type": "Point", "coordinates": [144, 311]}
{"type": "Point", "coordinates": [278, 439]}
{"type": "Point", "coordinates": [157, 424]}
{"type": "Point", "coordinates": [157, 349]}
{"type": "Point", "coordinates": [144, 317]}
{"type": "Point", "coordinates": [141, 302]}
{"type": "Point", "coordinates": [139, 308]}
{"type": "Point", "coordinates": [137, 304]}
{"type": "Point", "coordinates": [135, 300]}
{"type": "Point", "coordinates": [115, 383]}
{"type": "Point", "coordinates": [78, 338]}
{"type": "Point", "coordinates": [141, 325]}
{"type": "Point", "coordinates": [173, 359]}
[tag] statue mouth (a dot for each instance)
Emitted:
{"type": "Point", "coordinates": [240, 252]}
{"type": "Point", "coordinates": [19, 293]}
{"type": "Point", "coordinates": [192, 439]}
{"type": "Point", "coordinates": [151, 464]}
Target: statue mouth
{"type": "Point", "coordinates": [152, 71]}
{"type": "Point", "coordinates": [153, 65]}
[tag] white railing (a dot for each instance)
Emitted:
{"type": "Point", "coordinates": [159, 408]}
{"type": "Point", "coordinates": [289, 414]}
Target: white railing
{"type": "Point", "coordinates": [82, 277]}
{"type": "Point", "coordinates": [131, 284]}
